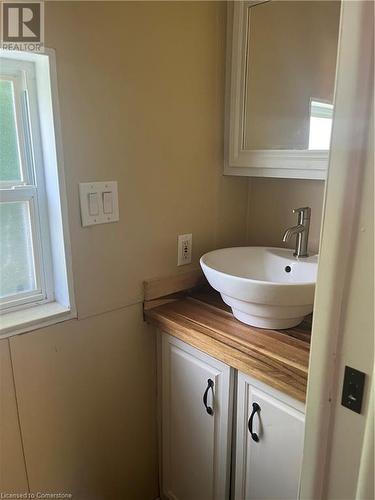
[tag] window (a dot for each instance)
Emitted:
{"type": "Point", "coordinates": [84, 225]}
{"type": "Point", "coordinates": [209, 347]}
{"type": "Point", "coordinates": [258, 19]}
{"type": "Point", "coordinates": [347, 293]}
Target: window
{"type": "Point", "coordinates": [34, 267]}
{"type": "Point", "coordinates": [321, 114]}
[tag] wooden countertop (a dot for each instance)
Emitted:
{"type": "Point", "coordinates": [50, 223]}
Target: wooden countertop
{"type": "Point", "coordinates": [279, 358]}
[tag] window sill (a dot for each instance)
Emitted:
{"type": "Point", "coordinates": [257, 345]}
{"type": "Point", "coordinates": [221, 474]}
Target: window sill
{"type": "Point", "coordinates": [32, 318]}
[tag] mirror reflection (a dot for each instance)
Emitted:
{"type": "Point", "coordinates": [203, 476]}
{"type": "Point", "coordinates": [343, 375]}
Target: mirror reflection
{"type": "Point", "coordinates": [290, 74]}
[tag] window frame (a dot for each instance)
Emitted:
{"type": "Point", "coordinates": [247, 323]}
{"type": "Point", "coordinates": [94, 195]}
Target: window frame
{"type": "Point", "coordinates": [31, 187]}
{"type": "Point", "coordinates": [43, 186]}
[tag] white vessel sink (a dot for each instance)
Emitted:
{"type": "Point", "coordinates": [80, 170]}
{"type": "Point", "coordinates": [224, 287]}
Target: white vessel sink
{"type": "Point", "coordinates": [265, 287]}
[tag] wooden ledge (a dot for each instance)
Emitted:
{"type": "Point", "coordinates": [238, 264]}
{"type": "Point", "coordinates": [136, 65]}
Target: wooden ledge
{"type": "Point", "coordinates": [159, 291]}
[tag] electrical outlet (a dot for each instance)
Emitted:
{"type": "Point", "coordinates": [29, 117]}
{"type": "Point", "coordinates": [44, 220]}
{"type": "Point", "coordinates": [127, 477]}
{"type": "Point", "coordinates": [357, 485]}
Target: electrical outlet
{"type": "Point", "coordinates": [185, 243]}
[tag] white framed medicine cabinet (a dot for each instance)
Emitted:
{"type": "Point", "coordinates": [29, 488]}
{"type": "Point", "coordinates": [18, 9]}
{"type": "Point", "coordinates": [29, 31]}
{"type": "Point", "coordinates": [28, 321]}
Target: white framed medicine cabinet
{"type": "Point", "coordinates": [280, 79]}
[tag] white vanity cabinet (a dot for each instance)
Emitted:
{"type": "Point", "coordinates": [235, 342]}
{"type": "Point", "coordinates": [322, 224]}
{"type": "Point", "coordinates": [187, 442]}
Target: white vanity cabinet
{"type": "Point", "coordinates": [269, 442]}
{"type": "Point", "coordinates": [202, 406]}
{"type": "Point", "coordinates": [196, 422]}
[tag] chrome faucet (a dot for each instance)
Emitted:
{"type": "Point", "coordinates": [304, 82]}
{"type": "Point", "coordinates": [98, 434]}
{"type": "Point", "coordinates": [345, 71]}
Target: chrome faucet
{"type": "Point", "coordinates": [301, 230]}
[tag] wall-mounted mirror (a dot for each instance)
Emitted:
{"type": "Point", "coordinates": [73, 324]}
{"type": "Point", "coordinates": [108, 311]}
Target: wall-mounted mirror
{"type": "Point", "coordinates": [280, 87]}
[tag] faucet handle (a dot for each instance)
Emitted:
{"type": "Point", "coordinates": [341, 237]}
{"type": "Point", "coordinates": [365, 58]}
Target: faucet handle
{"type": "Point", "coordinates": [303, 212]}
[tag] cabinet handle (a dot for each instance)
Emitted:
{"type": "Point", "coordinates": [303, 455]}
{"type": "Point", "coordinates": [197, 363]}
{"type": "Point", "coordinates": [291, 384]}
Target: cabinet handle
{"type": "Point", "coordinates": [254, 435]}
{"type": "Point", "coordinates": [210, 385]}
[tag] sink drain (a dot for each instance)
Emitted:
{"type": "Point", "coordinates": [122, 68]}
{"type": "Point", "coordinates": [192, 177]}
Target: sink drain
{"type": "Point", "coordinates": [288, 269]}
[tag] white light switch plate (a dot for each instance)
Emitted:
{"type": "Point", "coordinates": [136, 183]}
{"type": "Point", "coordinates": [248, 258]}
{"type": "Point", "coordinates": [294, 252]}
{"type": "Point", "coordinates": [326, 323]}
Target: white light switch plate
{"type": "Point", "coordinates": [99, 202]}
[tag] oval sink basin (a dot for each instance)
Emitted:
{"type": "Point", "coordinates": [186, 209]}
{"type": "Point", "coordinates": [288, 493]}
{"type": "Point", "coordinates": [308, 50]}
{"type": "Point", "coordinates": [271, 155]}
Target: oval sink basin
{"type": "Point", "coordinates": [265, 287]}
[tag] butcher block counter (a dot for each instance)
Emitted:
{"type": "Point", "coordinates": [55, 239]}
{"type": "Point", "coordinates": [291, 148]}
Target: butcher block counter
{"type": "Point", "coordinates": [200, 318]}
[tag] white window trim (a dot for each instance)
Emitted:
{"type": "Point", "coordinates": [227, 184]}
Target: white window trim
{"type": "Point", "coordinates": [59, 305]}
{"type": "Point", "coordinates": [320, 108]}
{"type": "Point", "coordinates": [31, 189]}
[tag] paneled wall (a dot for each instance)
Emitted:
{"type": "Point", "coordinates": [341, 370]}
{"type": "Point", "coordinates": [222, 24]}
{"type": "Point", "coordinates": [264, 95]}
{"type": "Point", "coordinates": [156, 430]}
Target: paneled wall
{"type": "Point", "coordinates": [141, 89]}
{"type": "Point", "coordinates": [86, 395]}
{"type": "Point", "coordinates": [13, 477]}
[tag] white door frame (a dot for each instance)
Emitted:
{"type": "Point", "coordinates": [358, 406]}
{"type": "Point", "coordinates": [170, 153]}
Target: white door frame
{"type": "Point", "coordinates": [353, 106]}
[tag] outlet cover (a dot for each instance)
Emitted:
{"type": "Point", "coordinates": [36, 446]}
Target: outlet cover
{"type": "Point", "coordinates": [184, 249]}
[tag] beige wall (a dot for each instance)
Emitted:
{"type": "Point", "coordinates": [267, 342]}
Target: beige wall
{"type": "Point", "coordinates": [270, 209]}
{"type": "Point", "coordinates": [141, 88]}
{"type": "Point", "coordinates": [141, 97]}
{"type": "Point", "coordinates": [87, 394]}
{"type": "Point", "coordinates": [12, 465]}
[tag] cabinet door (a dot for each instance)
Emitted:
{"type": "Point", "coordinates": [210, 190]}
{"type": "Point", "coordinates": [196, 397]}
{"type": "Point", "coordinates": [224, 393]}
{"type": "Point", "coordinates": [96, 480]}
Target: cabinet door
{"type": "Point", "coordinates": [195, 440]}
{"type": "Point", "coordinates": [270, 467]}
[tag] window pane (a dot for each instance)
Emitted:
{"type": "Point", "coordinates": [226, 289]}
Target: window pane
{"type": "Point", "coordinates": [320, 133]}
{"type": "Point", "coordinates": [9, 156]}
{"type": "Point", "coordinates": [321, 114]}
{"type": "Point", "coordinates": [17, 270]}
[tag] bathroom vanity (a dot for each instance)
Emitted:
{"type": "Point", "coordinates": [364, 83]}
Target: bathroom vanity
{"type": "Point", "coordinates": [231, 401]}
